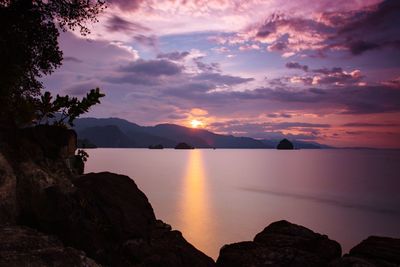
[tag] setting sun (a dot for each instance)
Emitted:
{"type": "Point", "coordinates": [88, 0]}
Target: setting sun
{"type": "Point", "coordinates": [195, 123]}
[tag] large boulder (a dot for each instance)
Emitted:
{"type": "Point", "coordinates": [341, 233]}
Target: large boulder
{"type": "Point", "coordinates": [374, 251]}
{"type": "Point", "coordinates": [109, 218]}
{"type": "Point", "coordinates": [22, 246]}
{"type": "Point", "coordinates": [281, 244]}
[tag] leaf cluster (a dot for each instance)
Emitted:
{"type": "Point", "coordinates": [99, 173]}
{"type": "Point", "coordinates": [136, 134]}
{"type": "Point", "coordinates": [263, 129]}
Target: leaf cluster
{"type": "Point", "coordinates": [67, 108]}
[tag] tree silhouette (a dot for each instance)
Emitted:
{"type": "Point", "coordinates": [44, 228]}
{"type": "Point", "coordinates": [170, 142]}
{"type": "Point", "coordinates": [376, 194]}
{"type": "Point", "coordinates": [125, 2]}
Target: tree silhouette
{"type": "Point", "coordinates": [29, 31]}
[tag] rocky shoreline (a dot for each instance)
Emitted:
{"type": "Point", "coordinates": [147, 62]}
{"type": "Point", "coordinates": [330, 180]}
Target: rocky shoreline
{"type": "Point", "coordinates": [52, 215]}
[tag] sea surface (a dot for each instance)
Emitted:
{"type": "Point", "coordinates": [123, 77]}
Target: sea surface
{"type": "Point", "coordinates": [221, 196]}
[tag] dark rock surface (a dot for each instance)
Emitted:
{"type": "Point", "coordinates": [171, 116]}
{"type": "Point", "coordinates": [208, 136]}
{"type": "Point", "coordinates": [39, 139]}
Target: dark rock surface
{"type": "Point", "coordinates": [285, 144]}
{"type": "Point", "coordinates": [183, 146]}
{"type": "Point", "coordinates": [104, 214]}
{"type": "Point", "coordinates": [31, 160]}
{"type": "Point", "coordinates": [374, 251]}
{"type": "Point", "coordinates": [281, 244]}
{"type": "Point", "coordinates": [109, 218]}
{"type": "Point", "coordinates": [22, 246]}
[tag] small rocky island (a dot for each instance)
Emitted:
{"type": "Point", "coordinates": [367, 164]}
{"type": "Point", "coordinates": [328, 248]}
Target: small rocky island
{"type": "Point", "coordinates": [183, 146]}
{"type": "Point", "coordinates": [51, 214]}
{"type": "Point", "coordinates": [159, 146]}
{"type": "Point", "coordinates": [285, 144]}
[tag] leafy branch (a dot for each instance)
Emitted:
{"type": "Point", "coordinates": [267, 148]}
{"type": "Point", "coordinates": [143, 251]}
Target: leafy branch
{"type": "Point", "coordinates": [68, 108]}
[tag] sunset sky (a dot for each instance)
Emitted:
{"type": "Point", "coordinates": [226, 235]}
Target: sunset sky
{"type": "Point", "coordinates": [324, 71]}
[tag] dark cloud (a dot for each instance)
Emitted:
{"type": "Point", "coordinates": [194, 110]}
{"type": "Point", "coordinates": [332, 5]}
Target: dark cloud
{"type": "Point", "coordinates": [267, 130]}
{"type": "Point", "coordinates": [296, 65]}
{"type": "Point", "coordinates": [279, 115]}
{"type": "Point", "coordinates": [373, 29]}
{"type": "Point", "coordinates": [118, 24]}
{"type": "Point", "coordinates": [146, 40]}
{"type": "Point", "coordinates": [220, 79]}
{"type": "Point", "coordinates": [368, 29]}
{"type": "Point", "coordinates": [358, 47]}
{"type": "Point", "coordinates": [364, 124]}
{"type": "Point", "coordinates": [212, 67]}
{"type": "Point", "coordinates": [327, 77]}
{"type": "Point", "coordinates": [327, 71]}
{"type": "Point", "coordinates": [126, 4]}
{"type": "Point", "coordinates": [72, 59]}
{"type": "Point", "coordinates": [152, 67]}
{"type": "Point", "coordinates": [278, 46]}
{"type": "Point", "coordinates": [290, 125]}
{"type": "Point", "coordinates": [134, 79]}
{"type": "Point", "coordinates": [81, 89]}
{"type": "Point", "coordinates": [351, 99]}
{"type": "Point", "coordinates": [176, 56]}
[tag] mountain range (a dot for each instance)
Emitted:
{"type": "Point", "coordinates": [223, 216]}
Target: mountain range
{"type": "Point", "coordinates": [119, 133]}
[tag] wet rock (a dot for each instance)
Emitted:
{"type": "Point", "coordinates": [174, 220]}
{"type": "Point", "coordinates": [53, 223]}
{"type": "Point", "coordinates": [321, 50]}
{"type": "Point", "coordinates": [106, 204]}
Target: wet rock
{"type": "Point", "coordinates": [21, 246]}
{"type": "Point", "coordinates": [281, 244]}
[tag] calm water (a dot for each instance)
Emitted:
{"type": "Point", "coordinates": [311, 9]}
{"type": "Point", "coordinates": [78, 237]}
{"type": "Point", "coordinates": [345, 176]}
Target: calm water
{"type": "Point", "coordinates": [215, 197]}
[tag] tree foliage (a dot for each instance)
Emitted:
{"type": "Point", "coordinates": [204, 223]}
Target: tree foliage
{"type": "Point", "coordinates": [67, 108]}
{"type": "Point", "coordinates": [29, 49]}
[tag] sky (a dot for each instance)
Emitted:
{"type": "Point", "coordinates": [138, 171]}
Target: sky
{"type": "Point", "coordinates": [321, 71]}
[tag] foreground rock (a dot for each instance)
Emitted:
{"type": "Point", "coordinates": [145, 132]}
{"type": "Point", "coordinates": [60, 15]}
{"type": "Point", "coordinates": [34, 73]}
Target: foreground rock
{"type": "Point", "coordinates": [32, 160]}
{"type": "Point", "coordinates": [374, 251]}
{"type": "Point", "coordinates": [104, 215]}
{"type": "Point", "coordinates": [281, 244]}
{"type": "Point", "coordinates": [21, 246]}
{"type": "Point", "coordinates": [111, 220]}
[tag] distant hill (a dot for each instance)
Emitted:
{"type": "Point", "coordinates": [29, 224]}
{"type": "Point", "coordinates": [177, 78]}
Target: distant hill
{"type": "Point", "coordinates": [115, 132]}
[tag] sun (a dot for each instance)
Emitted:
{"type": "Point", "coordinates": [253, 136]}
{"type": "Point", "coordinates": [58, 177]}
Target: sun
{"type": "Point", "coordinates": [195, 123]}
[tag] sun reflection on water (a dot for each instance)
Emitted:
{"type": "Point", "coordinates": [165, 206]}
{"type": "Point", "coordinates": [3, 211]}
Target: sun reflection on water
{"type": "Point", "coordinates": [196, 212]}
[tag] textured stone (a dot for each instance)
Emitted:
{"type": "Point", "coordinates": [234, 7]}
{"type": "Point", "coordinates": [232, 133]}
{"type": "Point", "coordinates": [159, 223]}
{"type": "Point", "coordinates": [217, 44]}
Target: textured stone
{"type": "Point", "coordinates": [22, 246]}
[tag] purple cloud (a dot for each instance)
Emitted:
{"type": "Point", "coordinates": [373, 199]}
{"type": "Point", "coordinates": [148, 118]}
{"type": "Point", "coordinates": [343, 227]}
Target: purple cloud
{"type": "Point", "coordinates": [296, 65]}
{"type": "Point", "coordinates": [72, 59]}
{"type": "Point", "coordinates": [176, 56]}
{"type": "Point", "coordinates": [152, 67]}
{"type": "Point", "coordinates": [118, 24]}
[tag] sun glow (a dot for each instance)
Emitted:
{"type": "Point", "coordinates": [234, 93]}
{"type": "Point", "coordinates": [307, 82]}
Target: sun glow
{"type": "Point", "coordinates": [195, 123]}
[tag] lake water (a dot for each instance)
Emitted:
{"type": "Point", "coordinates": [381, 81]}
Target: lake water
{"type": "Point", "coordinates": [221, 196]}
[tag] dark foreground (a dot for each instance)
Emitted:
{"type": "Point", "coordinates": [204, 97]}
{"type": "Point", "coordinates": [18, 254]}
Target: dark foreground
{"type": "Point", "coordinates": [52, 215]}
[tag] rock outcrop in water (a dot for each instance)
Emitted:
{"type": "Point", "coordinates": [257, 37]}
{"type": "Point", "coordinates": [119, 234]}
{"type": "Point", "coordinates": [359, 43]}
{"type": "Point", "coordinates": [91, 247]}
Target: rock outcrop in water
{"type": "Point", "coordinates": [285, 145]}
{"type": "Point", "coordinates": [183, 146]}
{"type": "Point", "coordinates": [50, 215]}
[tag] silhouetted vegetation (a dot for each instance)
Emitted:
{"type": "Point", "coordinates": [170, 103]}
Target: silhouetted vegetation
{"type": "Point", "coordinates": [29, 49]}
{"type": "Point", "coordinates": [68, 108]}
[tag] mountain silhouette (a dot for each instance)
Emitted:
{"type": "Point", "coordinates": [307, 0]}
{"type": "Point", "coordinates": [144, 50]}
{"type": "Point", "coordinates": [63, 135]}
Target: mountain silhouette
{"type": "Point", "coordinates": [115, 132]}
